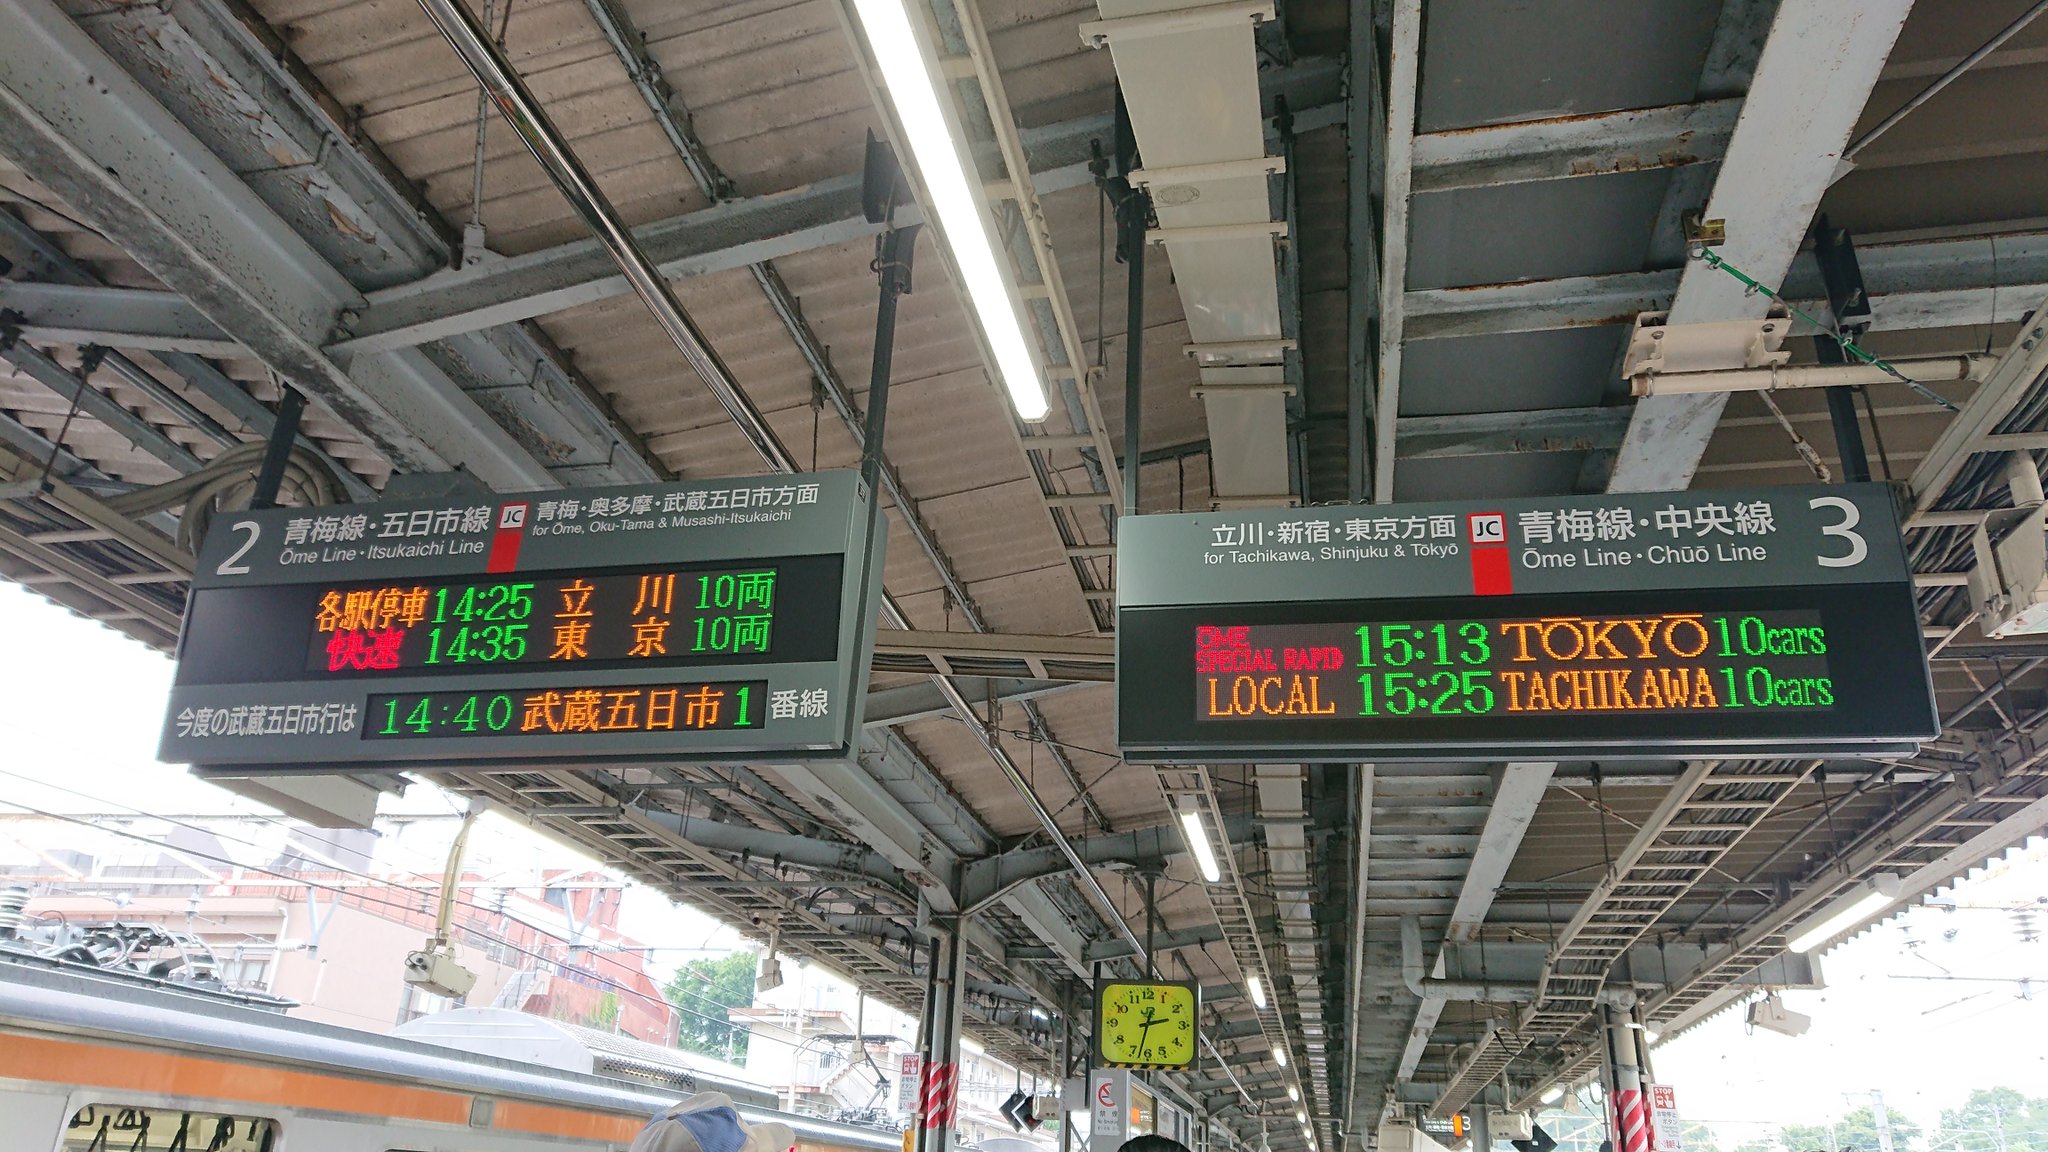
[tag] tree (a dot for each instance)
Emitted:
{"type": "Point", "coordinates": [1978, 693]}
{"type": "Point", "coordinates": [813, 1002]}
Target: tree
{"type": "Point", "coordinates": [1856, 1132]}
{"type": "Point", "coordinates": [1698, 1137]}
{"type": "Point", "coordinates": [1995, 1120]}
{"type": "Point", "coordinates": [1758, 1144]}
{"type": "Point", "coordinates": [702, 991]}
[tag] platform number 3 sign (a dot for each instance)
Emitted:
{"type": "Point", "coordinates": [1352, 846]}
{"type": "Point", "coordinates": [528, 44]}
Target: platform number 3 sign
{"type": "Point", "coordinates": [1843, 529]}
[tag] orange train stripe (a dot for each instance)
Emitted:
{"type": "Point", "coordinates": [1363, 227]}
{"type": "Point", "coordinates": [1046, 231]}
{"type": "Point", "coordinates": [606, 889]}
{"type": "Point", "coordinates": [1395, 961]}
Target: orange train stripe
{"type": "Point", "coordinates": [525, 1117]}
{"type": "Point", "coordinates": [35, 1058]}
{"type": "Point", "coordinates": [143, 1070]}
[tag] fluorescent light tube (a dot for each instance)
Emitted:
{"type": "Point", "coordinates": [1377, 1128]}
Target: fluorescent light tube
{"type": "Point", "coordinates": [1258, 990]}
{"type": "Point", "coordinates": [1860, 903]}
{"type": "Point", "coordinates": [1280, 1057]}
{"type": "Point", "coordinates": [1293, 1093]}
{"type": "Point", "coordinates": [1198, 843]}
{"type": "Point", "coordinates": [915, 93]}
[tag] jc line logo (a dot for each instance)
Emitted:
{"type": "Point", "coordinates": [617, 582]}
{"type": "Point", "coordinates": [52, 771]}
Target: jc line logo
{"type": "Point", "coordinates": [504, 554]}
{"type": "Point", "coordinates": [1491, 574]}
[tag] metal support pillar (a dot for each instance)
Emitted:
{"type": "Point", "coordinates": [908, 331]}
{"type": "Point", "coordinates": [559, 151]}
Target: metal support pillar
{"type": "Point", "coordinates": [1059, 1082]}
{"type": "Point", "coordinates": [892, 263]}
{"type": "Point", "coordinates": [1645, 1068]}
{"type": "Point", "coordinates": [942, 1034]}
{"type": "Point", "coordinates": [1850, 306]}
{"type": "Point", "coordinates": [1628, 1116]}
{"type": "Point", "coordinates": [1482, 1125]}
{"type": "Point", "coordinates": [1133, 207]}
{"type": "Point", "coordinates": [1366, 131]}
{"type": "Point", "coordinates": [1882, 1118]}
{"type": "Point", "coordinates": [279, 450]}
{"type": "Point", "coordinates": [896, 247]}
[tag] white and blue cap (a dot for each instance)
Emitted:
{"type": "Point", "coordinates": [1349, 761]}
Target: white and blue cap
{"type": "Point", "coordinates": [707, 1122]}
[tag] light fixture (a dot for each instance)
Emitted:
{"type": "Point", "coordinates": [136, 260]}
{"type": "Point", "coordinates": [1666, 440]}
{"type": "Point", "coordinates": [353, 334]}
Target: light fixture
{"type": "Point", "coordinates": [1293, 1093]}
{"type": "Point", "coordinates": [770, 977]}
{"type": "Point", "coordinates": [1198, 843]}
{"type": "Point", "coordinates": [1280, 1057]}
{"type": "Point", "coordinates": [1554, 1095]}
{"type": "Point", "coordinates": [1303, 1117]}
{"type": "Point", "coordinates": [914, 91]}
{"type": "Point", "coordinates": [1866, 899]}
{"type": "Point", "coordinates": [1258, 990]}
{"type": "Point", "coordinates": [1771, 1015]}
{"type": "Point", "coordinates": [1650, 1035]}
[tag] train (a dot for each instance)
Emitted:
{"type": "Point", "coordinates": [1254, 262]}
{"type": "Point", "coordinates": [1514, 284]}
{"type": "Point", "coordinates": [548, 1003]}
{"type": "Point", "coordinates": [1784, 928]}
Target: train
{"type": "Point", "coordinates": [90, 1063]}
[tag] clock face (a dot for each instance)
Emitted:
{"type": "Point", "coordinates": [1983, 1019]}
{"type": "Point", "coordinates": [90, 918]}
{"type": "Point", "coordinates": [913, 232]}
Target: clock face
{"type": "Point", "coordinates": [1147, 1024]}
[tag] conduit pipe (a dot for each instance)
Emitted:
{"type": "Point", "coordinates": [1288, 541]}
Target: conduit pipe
{"type": "Point", "coordinates": [1412, 965]}
{"type": "Point", "coordinates": [1938, 370]}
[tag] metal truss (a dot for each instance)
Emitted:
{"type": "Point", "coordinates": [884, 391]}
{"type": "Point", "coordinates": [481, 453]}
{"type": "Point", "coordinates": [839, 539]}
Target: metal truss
{"type": "Point", "coordinates": [1190, 789]}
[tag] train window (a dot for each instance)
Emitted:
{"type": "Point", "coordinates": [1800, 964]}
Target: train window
{"type": "Point", "coordinates": [114, 1127]}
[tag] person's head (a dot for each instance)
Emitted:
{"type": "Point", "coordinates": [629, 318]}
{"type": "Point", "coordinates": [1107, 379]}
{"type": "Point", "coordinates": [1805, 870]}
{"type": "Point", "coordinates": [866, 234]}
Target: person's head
{"type": "Point", "coordinates": [1152, 1144]}
{"type": "Point", "coordinates": [707, 1122]}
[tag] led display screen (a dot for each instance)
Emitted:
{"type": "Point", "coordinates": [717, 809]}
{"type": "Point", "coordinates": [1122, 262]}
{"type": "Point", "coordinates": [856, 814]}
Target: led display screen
{"type": "Point", "coordinates": [785, 609]}
{"type": "Point", "coordinates": [1699, 669]}
{"type": "Point", "coordinates": [1522, 666]}
{"type": "Point", "coordinates": [669, 707]}
{"type": "Point", "coordinates": [567, 619]}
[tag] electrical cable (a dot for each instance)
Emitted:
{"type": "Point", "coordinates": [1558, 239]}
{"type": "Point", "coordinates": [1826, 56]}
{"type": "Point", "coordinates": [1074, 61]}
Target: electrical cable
{"type": "Point", "coordinates": [227, 482]}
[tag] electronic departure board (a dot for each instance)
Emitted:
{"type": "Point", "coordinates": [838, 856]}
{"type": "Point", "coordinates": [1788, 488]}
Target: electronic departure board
{"type": "Point", "coordinates": [1740, 623]}
{"type": "Point", "coordinates": [705, 620]}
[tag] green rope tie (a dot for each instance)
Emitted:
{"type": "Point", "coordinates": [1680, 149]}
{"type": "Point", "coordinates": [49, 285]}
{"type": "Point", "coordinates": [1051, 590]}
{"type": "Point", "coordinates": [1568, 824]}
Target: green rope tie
{"type": "Point", "coordinates": [1833, 330]}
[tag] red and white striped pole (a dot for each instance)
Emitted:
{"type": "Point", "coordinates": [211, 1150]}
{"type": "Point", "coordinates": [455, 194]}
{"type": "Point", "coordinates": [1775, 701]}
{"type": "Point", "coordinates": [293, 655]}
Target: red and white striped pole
{"type": "Point", "coordinates": [1631, 1109]}
{"type": "Point", "coordinates": [940, 1097]}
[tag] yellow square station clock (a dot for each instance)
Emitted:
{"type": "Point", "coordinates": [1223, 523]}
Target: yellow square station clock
{"type": "Point", "coordinates": [1146, 1024]}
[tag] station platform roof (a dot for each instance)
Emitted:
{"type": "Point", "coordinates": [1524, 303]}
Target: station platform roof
{"type": "Point", "coordinates": [202, 202]}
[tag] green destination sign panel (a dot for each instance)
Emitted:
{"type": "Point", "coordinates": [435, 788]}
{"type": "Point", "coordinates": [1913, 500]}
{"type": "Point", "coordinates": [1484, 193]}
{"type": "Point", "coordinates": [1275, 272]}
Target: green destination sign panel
{"type": "Point", "coordinates": [1768, 622]}
{"type": "Point", "coordinates": [716, 619]}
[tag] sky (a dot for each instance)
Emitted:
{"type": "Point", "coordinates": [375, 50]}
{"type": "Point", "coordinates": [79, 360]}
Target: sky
{"type": "Point", "coordinates": [84, 705]}
{"type": "Point", "coordinates": [1923, 1008]}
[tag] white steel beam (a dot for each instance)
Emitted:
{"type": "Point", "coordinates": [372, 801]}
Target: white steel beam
{"type": "Point", "coordinates": [2017, 374]}
{"type": "Point", "coordinates": [113, 318]}
{"type": "Point", "coordinates": [1811, 84]}
{"type": "Point", "coordinates": [1630, 140]}
{"type": "Point", "coordinates": [726, 236]}
{"type": "Point", "coordinates": [1913, 284]}
{"type": "Point", "coordinates": [72, 118]}
{"type": "Point", "coordinates": [1403, 86]}
{"type": "Point", "coordinates": [1515, 797]}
